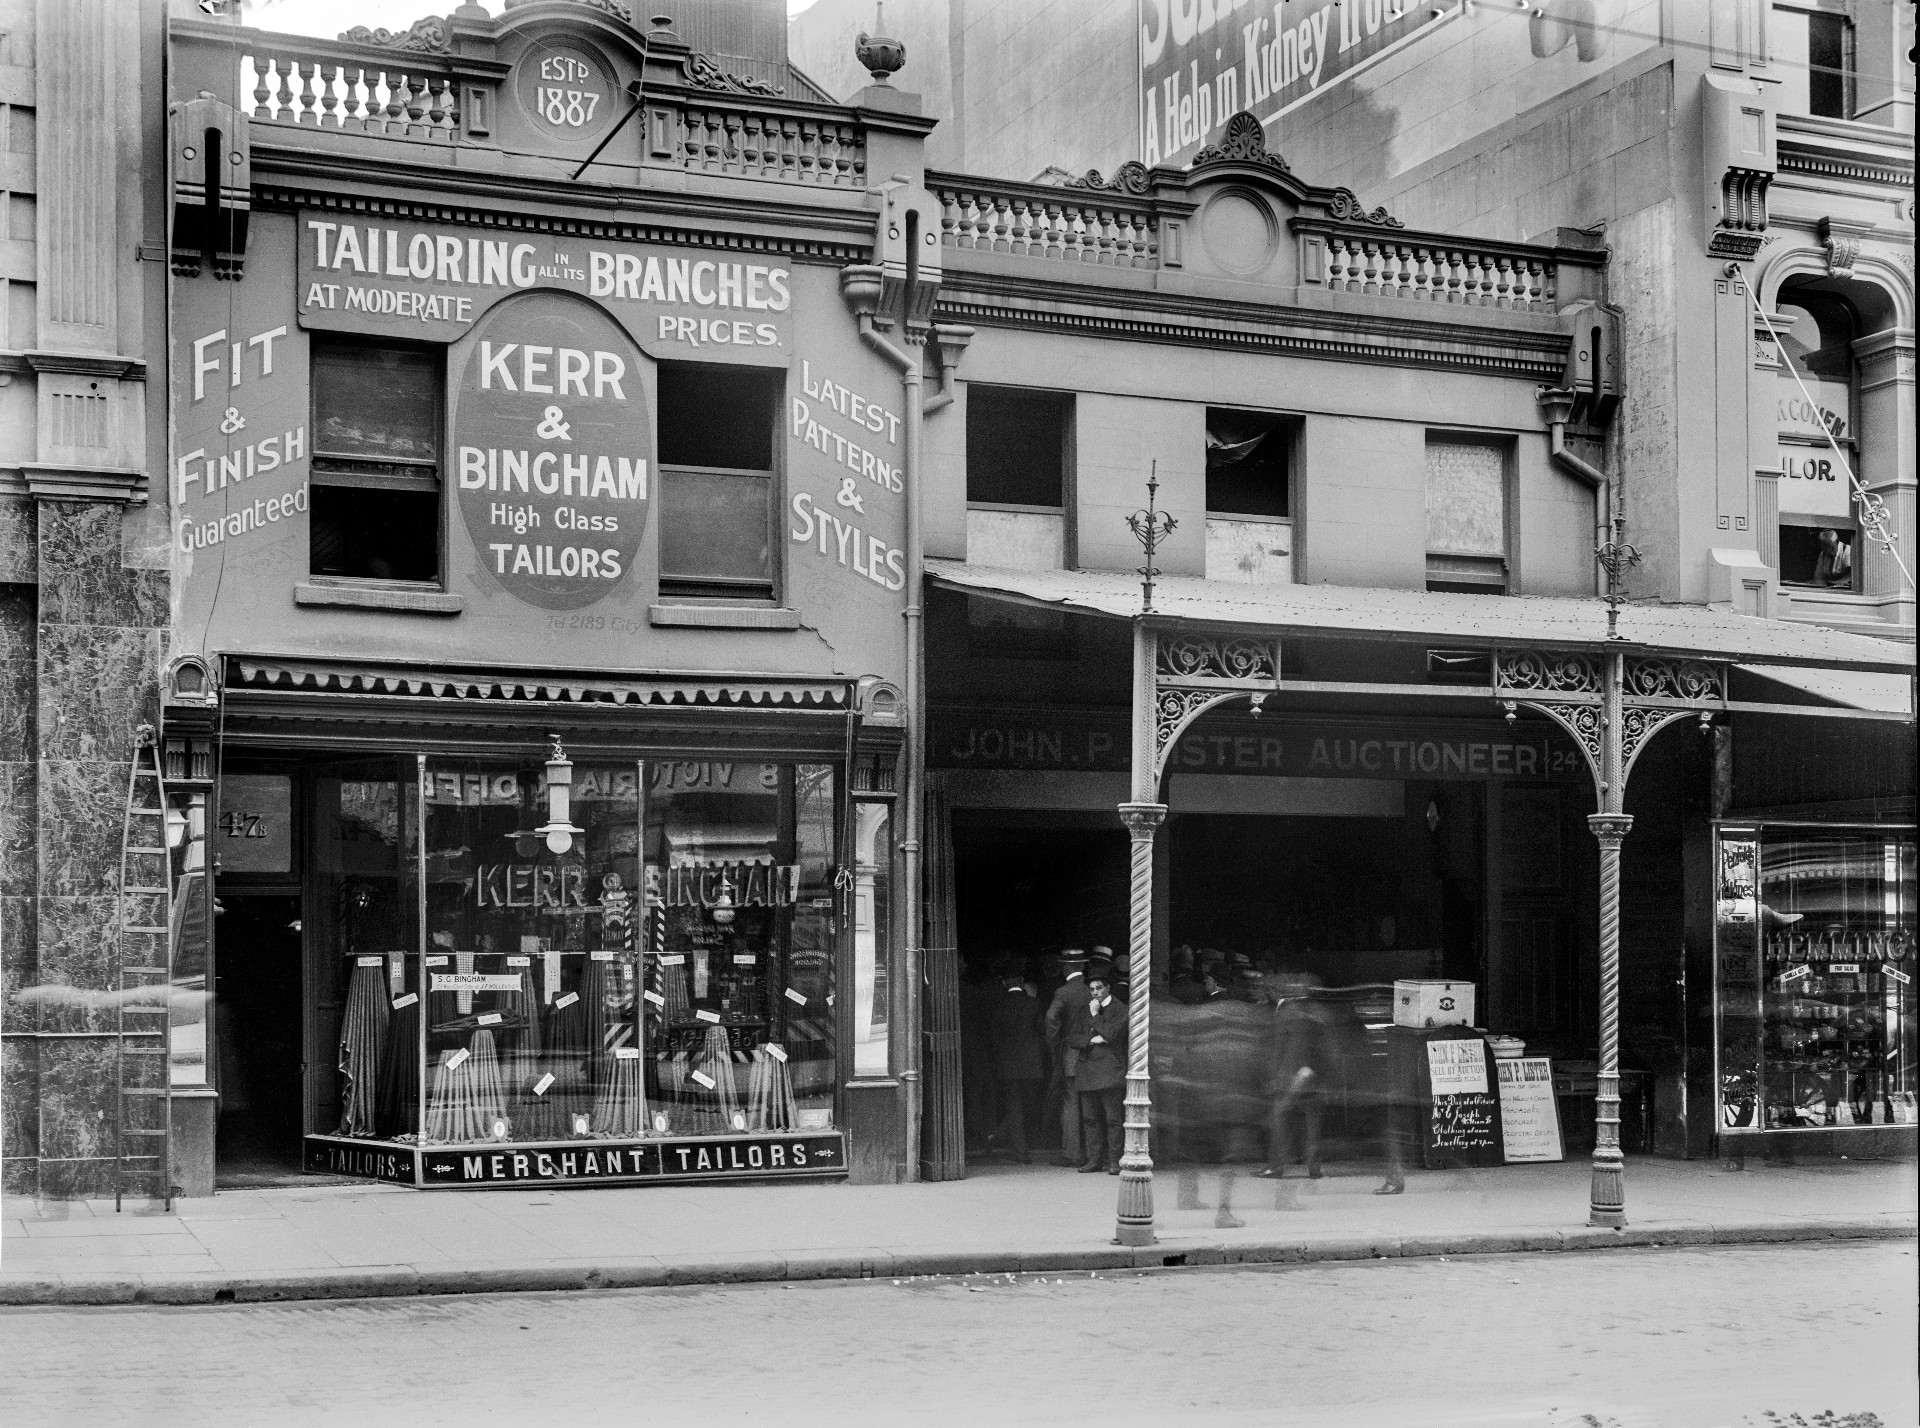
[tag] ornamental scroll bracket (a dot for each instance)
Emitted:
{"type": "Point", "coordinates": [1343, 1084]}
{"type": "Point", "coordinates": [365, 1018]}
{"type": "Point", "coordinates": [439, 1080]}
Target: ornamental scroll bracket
{"type": "Point", "coordinates": [1195, 673]}
{"type": "Point", "coordinates": [1570, 689]}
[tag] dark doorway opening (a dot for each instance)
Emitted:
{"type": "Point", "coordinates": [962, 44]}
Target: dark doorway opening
{"type": "Point", "coordinates": [257, 1020]}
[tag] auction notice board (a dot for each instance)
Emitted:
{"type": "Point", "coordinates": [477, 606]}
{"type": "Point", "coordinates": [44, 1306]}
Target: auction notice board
{"type": "Point", "coordinates": [1446, 1102]}
{"type": "Point", "coordinates": [1529, 1115]}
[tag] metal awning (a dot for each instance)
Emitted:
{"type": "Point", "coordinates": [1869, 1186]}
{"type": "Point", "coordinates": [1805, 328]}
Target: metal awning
{"type": "Point", "coordinates": [1880, 693]}
{"type": "Point", "coordinates": [443, 683]}
{"type": "Point", "coordinates": [1435, 618]}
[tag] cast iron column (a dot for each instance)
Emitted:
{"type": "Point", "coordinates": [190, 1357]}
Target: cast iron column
{"type": "Point", "coordinates": [1608, 1199]}
{"type": "Point", "coordinates": [1134, 1219]}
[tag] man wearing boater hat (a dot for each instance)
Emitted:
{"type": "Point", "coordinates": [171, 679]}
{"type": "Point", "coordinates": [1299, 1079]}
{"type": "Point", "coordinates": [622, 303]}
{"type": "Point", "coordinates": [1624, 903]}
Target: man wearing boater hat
{"type": "Point", "coordinates": [1067, 1005]}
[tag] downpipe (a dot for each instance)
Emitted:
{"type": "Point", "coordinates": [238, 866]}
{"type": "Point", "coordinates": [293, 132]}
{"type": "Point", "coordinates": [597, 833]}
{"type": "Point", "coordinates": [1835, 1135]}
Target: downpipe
{"type": "Point", "coordinates": [1557, 406]}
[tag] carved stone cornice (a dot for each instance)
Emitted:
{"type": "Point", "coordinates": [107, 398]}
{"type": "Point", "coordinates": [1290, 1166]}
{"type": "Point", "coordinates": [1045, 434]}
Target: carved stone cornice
{"type": "Point", "coordinates": [119, 485]}
{"type": "Point", "coordinates": [79, 364]}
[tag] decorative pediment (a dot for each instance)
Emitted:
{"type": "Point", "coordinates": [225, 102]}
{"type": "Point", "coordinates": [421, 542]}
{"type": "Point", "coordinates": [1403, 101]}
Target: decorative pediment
{"type": "Point", "coordinates": [427, 36]}
{"type": "Point", "coordinates": [1245, 142]}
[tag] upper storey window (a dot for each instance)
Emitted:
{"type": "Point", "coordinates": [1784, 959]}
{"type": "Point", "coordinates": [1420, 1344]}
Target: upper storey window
{"type": "Point", "coordinates": [1812, 51]}
{"type": "Point", "coordinates": [377, 417]}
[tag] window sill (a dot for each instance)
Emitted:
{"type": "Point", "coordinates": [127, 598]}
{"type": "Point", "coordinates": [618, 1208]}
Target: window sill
{"type": "Point", "coordinates": [723, 617]}
{"type": "Point", "coordinates": [379, 597]}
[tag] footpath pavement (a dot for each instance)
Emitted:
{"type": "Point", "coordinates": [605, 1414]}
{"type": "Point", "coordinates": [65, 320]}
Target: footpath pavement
{"type": "Point", "coordinates": [335, 1241]}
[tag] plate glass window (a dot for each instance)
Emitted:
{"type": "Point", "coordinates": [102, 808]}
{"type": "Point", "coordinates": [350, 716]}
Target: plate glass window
{"type": "Point", "coordinates": [717, 480]}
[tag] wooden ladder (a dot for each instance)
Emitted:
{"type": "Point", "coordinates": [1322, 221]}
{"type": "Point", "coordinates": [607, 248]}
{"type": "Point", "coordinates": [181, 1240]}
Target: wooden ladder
{"type": "Point", "coordinates": [143, 1077]}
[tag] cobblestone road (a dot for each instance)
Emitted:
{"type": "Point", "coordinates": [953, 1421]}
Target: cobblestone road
{"type": "Point", "coordinates": [1621, 1339]}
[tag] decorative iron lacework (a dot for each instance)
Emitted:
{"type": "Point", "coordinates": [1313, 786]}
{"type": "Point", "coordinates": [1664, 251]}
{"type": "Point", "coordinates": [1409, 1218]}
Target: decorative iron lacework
{"type": "Point", "coordinates": [1208, 657]}
{"type": "Point", "coordinates": [1173, 710]}
{"type": "Point", "coordinates": [1130, 178]}
{"type": "Point", "coordinates": [1675, 679]}
{"type": "Point", "coordinates": [1245, 142]}
{"type": "Point", "coordinates": [427, 36]}
{"type": "Point", "coordinates": [1637, 725]}
{"type": "Point", "coordinates": [1547, 672]}
{"type": "Point", "coordinates": [704, 73]}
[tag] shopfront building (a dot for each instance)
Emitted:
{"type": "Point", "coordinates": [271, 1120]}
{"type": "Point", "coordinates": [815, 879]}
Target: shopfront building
{"type": "Point", "coordinates": [536, 692]}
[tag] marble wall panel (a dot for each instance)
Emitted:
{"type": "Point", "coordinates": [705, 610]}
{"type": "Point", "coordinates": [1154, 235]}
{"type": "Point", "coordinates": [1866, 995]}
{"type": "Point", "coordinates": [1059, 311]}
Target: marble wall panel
{"type": "Point", "coordinates": [18, 670]}
{"type": "Point", "coordinates": [19, 828]}
{"type": "Point", "coordinates": [19, 552]}
{"type": "Point", "coordinates": [97, 685]}
{"type": "Point", "coordinates": [82, 806]}
{"type": "Point", "coordinates": [76, 1100]}
{"type": "Point", "coordinates": [20, 1103]}
{"type": "Point", "coordinates": [77, 952]}
{"type": "Point", "coordinates": [19, 962]}
{"type": "Point", "coordinates": [82, 578]}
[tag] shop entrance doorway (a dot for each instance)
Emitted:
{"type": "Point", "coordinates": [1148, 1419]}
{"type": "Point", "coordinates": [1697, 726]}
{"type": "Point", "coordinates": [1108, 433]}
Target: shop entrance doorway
{"type": "Point", "coordinates": [257, 1027]}
{"type": "Point", "coordinates": [1026, 885]}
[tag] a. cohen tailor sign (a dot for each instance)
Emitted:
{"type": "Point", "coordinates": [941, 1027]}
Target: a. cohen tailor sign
{"type": "Point", "coordinates": [585, 1162]}
{"type": "Point", "coordinates": [552, 449]}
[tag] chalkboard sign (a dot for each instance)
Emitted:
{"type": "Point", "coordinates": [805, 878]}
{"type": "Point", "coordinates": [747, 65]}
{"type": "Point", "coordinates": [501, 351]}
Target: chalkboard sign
{"type": "Point", "coordinates": [1442, 1077]}
{"type": "Point", "coordinates": [1464, 1130]}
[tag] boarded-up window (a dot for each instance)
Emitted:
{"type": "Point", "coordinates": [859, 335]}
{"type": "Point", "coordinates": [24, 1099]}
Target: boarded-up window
{"type": "Point", "coordinates": [717, 480]}
{"type": "Point", "coordinates": [1466, 515]}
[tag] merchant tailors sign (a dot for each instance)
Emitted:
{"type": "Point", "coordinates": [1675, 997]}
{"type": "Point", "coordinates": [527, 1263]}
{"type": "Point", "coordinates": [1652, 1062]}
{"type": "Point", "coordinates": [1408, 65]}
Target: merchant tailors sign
{"type": "Point", "coordinates": [552, 451]}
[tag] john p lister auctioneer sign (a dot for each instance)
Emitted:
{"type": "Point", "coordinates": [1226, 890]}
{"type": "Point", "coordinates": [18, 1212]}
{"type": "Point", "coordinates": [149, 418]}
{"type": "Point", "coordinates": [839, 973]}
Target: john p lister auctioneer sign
{"type": "Point", "coordinates": [1202, 61]}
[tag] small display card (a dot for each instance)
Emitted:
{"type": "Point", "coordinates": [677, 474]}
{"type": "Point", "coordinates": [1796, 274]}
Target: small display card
{"type": "Point", "coordinates": [368, 961]}
{"type": "Point", "coordinates": [671, 959]}
{"type": "Point", "coordinates": [626, 1053]}
{"type": "Point", "coordinates": [603, 954]}
{"type": "Point", "coordinates": [707, 1016]}
{"type": "Point", "coordinates": [1794, 974]}
{"type": "Point", "coordinates": [470, 982]}
{"type": "Point", "coordinates": [795, 997]}
{"type": "Point", "coordinates": [408, 1000]}
{"type": "Point", "coordinates": [1458, 1067]}
{"type": "Point", "coordinates": [703, 1078]}
{"type": "Point", "coordinates": [437, 961]}
{"type": "Point", "coordinates": [776, 1051]}
{"type": "Point", "coordinates": [655, 998]}
{"type": "Point", "coordinates": [540, 1086]}
{"type": "Point", "coordinates": [1843, 967]}
{"type": "Point", "coordinates": [487, 1019]}
{"type": "Point", "coordinates": [1899, 976]}
{"type": "Point", "coordinates": [568, 1000]}
{"type": "Point", "coordinates": [517, 961]}
{"type": "Point", "coordinates": [457, 1058]}
{"type": "Point", "coordinates": [745, 959]}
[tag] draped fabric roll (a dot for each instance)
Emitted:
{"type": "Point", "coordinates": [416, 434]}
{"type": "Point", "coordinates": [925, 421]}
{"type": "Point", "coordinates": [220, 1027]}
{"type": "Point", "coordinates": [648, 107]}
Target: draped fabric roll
{"type": "Point", "coordinates": [673, 986]}
{"type": "Point", "coordinates": [619, 1109]}
{"type": "Point", "coordinates": [400, 1074]}
{"type": "Point", "coordinates": [710, 1108]}
{"type": "Point", "coordinates": [467, 1095]}
{"type": "Point", "coordinates": [770, 1104]}
{"type": "Point", "coordinates": [363, 1035]}
{"type": "Point", "coordinates": [596, 981]}
{"type": "Point", "coordinates": [535, 1112]}
{"type": "Point", "coordinates": [566, 1037]}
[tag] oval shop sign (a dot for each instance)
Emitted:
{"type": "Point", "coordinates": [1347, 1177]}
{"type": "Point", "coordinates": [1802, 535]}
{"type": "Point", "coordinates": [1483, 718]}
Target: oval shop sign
{"type": "Point", "coordinates": [553, 450]}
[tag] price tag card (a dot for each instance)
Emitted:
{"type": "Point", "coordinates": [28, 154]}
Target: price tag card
{"type": "Point", "coordinates": [655, 998]}
{"type": "Point", "coordinates": [626, 1053]}
{"type": "Point", "coordinates": [568, 1000]}
{"type": "Point", "coordinates": [704, 1079]}
{"type": "Point", "coordinates": [518, 961]}
{"type": "Point", "coordinates": [776, 1051]}
{"type": "Point", "coordinates": [368, 961]}
{"type": "Point", "coordinates": [487, 1019]}
{"type": "Point", "coordinates": [707, 1016]}
{"type": "Point", "coordinates": [456, 1059]}
{"type": "Point", "coordinates": [671, 959]}
{"type": "Point", "coordinates": [604, 954]}
{"type": "Point", "coordinates": [439, 961]}
{"type": "Point", "coordinates": [540, 1086]}
{"type": "Point", "coordinates": [1844, 967]}
{"type": "Point", "coordinates": [745, 959]}
{"type": "Point", "coordinates": [1795, 974]}
{"type": "Point", "coordinates": [795, 997]}
{"type": "Point", "coordinates": [408, 1000]}
{"type": "Point", "coordinates": [1899, 976]}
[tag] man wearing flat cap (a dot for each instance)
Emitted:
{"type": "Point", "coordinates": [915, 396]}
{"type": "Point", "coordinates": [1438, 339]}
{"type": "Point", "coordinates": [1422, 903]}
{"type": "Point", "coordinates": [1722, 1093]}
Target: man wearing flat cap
{"type": "Point", "coordinates": [1101, 1077]}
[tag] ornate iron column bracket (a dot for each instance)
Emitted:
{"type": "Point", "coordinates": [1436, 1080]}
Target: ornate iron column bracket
{"type": "Point", "coordinates": [1133, 1222]}
{"type": "Point", "coordinates": [1195, 673]}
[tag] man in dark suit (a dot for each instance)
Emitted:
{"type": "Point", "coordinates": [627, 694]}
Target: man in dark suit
{"type": "Point", "coordinates": [1099, 1034]}
{"type": "Point", "coordinates": [1061, 1100]}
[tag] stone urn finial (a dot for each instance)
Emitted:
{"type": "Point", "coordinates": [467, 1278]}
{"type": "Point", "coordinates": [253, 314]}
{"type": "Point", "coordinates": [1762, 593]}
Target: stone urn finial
{"type": "Point", "coordinates": [880, 55]}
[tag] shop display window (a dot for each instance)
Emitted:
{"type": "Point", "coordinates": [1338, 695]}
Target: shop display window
{"type": "Point", "coordinates": [651, 956]}
{"type": "Point", "coordinates": [1815, 967]}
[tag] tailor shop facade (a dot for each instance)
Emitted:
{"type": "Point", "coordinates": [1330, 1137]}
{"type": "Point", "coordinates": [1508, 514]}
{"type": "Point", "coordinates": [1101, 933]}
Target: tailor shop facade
{"type": "Point", "coordinates": [534, 697]}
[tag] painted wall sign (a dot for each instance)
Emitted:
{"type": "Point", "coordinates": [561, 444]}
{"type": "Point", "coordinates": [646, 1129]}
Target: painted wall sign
{"type": "Point", "coordinates": [569, 92]}
{"type": "Point", "coordinates": [1275, 746]}
{"type": "Point", "coordinates": [552, 451]}
{"type": "Point", "coordinates": [1202, 61]}
{"type": "Point", "coordinates": [431, 282]}
{"type": "Point", "coordinates": [847, 447]}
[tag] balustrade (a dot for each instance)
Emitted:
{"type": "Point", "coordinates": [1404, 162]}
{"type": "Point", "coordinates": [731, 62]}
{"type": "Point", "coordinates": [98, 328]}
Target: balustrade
{"type": "Point", "coordinates": [1072, 225]}
{"type": "Point", "coordinates": [1432, 272]}
{"type": "Point", "coordinates": [381, 98]}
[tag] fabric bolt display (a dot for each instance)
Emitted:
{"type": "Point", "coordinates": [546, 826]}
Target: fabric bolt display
{"type": "Point", "coordinates": [399, 1100]}
{"type": "Point", "coordinates": [536, 1112]}
{"type": "Point", "coordinates": [711, 1096]}
{"type": "Point", "coordinates": [363, 1035]}
{"type": "Point", "coordinates": [467, 1098]}
{"type": "Point", "coordinates": [619, 1109]}
{"type": "Point", "coordinates": [770, 1103]}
